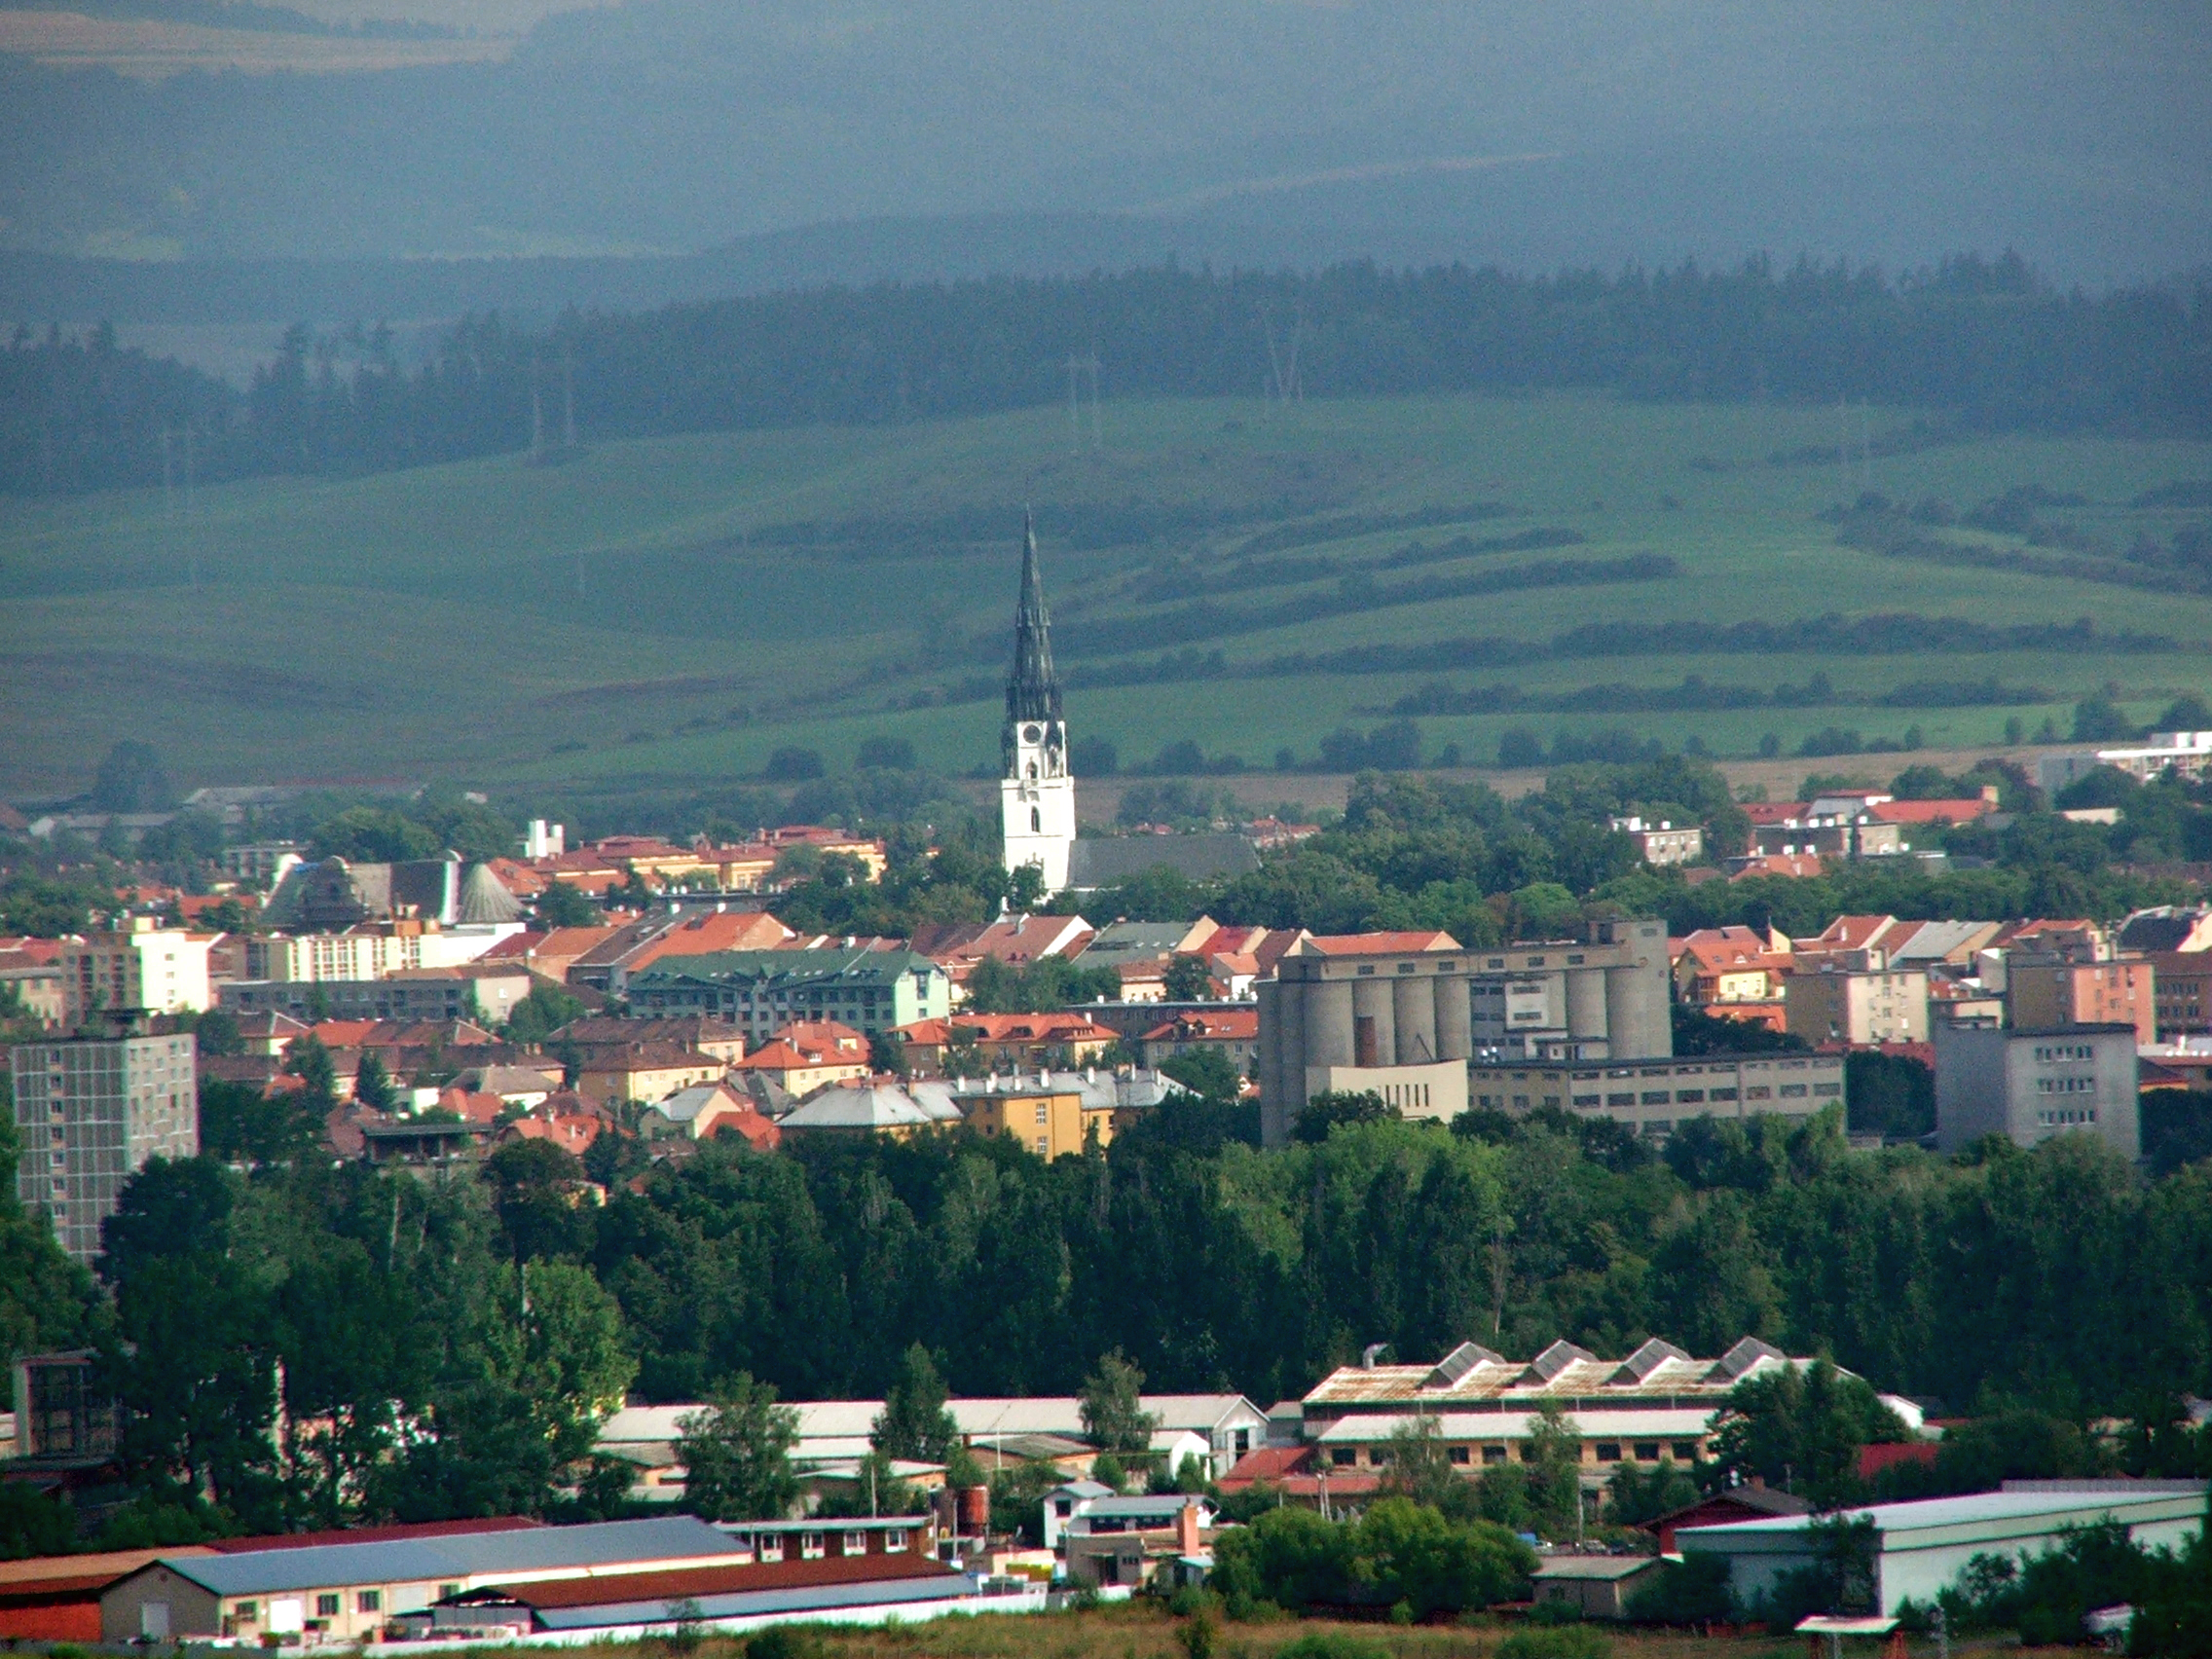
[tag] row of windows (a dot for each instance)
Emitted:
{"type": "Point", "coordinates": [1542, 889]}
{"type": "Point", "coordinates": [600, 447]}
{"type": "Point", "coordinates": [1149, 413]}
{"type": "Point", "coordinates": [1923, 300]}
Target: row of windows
{"type": "Point", "coordinates": [814, 1545]}
{"type": "Point", "coordinates": [1494, 1453]}
{"type": "Point", "coordinates": [2067, 1119]}
{"type": "Point", "coordinates": [2066, 1086]}
{"type": "Point", "coordinates": [2048, 1053]}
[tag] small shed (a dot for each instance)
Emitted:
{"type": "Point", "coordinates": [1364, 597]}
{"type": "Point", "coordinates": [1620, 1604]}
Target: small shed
{"type": "Point", "coordinates": [1736, 1504]}
{"type": "Point", "coordinates": [1599, 1585]}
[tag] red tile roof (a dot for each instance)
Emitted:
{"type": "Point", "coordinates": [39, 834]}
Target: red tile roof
{"type": "Point", "coordinates": [1299, 1471]}
{"type": "Point", "coordinates": [1796, 865]}
{"type": "Point", "coordinates": [1379, 943]}
{"type": "Point", "coordinates": [1932, 811]}
{"type": "Point", "coordinates": [1235, 1025]}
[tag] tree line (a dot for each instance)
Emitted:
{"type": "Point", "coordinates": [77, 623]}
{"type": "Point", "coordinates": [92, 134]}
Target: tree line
{"type": "Point", "coordinates": [1986, 341]}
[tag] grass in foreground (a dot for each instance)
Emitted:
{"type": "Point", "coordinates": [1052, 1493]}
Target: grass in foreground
{"type": "Point", "coordinates": [1140, 1630]}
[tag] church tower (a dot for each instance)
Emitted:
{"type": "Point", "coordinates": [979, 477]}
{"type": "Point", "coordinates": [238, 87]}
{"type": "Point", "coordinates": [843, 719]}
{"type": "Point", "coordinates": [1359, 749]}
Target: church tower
{"type": "Point", "coordinates": [1037, 797]}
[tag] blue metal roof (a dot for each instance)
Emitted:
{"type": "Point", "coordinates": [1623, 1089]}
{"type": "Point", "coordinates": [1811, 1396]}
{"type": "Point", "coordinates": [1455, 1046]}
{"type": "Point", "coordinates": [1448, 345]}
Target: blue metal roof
{"type": "Point", "coordinates": [462, 1556]}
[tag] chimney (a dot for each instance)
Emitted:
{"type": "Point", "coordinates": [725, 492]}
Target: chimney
{"type": "Point", "coordinates": [1186, 1528]}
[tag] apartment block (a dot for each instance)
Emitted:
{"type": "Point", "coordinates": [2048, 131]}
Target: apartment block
{"type": "Point", "coordinates": [90, 1111]}
{"type": "Point", "coordinates": [2040, 994]}
{"type": "Point", "coordinates": [2032, 1085]}
{"type": "Point", "coordinates": [1828, 1003]}
{"type": "Point", "coordinates": [145, 967]}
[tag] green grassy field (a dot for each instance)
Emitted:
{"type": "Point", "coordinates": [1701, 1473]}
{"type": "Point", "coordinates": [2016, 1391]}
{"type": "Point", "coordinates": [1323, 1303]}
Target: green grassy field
{"type": "Point", "coordinates": [667, 612]}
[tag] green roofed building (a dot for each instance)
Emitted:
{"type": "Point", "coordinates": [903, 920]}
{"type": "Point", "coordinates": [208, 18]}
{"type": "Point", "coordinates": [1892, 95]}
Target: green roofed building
{"type": "Point", "coordinates": [761, 991]}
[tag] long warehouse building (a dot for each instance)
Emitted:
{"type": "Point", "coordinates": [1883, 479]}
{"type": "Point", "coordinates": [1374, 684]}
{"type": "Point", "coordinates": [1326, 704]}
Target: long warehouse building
{"type": "Point", "coordinates": [1404, 1014]}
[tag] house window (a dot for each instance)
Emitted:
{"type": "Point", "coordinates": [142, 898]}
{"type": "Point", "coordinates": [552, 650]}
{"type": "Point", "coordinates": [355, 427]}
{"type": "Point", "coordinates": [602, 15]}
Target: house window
{"type": "Point", "coordinates": [326, 1605]}
{"type": "Point", "coordinates": [770, 1546]}
{"type": "Point", "coordinates": [368, 1602]}
{"type": "Point", "coordinates": [811, 1547]}
{"type": "Point", "coordinates": [1043, 1114]}
{"type": "Point", "coordinates": [1686, 1451]}
{"type": "Point", "coordinates": [1494, 1454]}
{"type": "Point", "coordinates": [1608, 1450]}
{"type": "Point", "coordinates": [1458, 1455]}
{"type": "Point", "coordinates": [895, 1541]}
{"type": "Point", "coordinates": [855, 1544]}
{"type": "Point", "coordinates": [1648, 1450]}
{"type": "Point", "coordinates": [1344, 1456]}
{"type": "Point", "coordinates": [248, 1610]}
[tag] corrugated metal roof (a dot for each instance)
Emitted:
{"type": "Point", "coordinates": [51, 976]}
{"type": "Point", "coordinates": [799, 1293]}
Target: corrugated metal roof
{"type": "Point", "coordinates": [474, 1555]}
{"type": "Point", "coordinates": [1169, 1504]}
{"type": "Point", "coordinates": [1562, 1372]}
{"type": "Point", "coordinates": [640, 1587]}
{"type": "Point", "coordinates": [1604, 1569]}
{"type": "Point", "coordinates": [1923, 1514]}
{"type": "Point", "coordinates": [761, 1604]}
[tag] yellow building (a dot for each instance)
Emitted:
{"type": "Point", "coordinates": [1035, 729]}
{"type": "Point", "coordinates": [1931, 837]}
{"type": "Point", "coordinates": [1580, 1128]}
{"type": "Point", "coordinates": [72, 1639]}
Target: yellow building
{"type": "Point", "coordinates": [1051, 1123]}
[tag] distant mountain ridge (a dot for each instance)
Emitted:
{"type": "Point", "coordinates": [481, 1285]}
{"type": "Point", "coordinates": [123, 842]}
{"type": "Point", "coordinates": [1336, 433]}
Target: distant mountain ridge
{"type": "Point", "coordinates": [836, 141]}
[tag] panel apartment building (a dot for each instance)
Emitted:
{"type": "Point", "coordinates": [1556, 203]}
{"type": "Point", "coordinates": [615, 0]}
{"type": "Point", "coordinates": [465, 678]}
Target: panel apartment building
{"type": "Point", "coordinates": [90, 1111]}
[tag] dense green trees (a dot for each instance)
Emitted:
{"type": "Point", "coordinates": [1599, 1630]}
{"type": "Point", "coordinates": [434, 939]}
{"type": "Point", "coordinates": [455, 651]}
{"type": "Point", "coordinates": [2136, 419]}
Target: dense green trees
{"type": "Point", "coordinates": [736, 1455]}
{"type": "Point", "coordinates": [1983, 339]}
{"type": "Point", "coordinates": [1398, 1554]}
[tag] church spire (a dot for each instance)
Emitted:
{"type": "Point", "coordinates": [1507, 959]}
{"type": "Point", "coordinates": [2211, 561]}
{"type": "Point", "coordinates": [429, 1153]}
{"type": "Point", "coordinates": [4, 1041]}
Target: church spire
{"type": "Point", "coordinates": [1032, 688]}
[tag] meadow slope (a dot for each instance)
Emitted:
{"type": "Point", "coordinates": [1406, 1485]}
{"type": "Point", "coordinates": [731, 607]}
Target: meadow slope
{"type": "Point", "coordinates": [669, 611]}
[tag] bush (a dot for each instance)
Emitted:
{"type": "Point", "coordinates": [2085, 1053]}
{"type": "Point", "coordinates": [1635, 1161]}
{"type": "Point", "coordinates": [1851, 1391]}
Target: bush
{"type": "Point", "coordinates": [785, 1641]}
{"type": "Point", "coordinates": [1331, 1644]}
{"type": "Point", "coordinates": [896, 754]}
{"type": "Point", "coordinates": [1692, 1591]}
{"type": "Point", "coordinates": [1558, 1642]}
{"type": "Point", "coordinates": [792, 765]}
{"type": "Point", "coordinates": [1398, 1552]}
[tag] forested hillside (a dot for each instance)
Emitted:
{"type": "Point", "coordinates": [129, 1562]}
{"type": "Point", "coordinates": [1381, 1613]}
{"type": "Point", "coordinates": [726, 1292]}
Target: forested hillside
{"type": "Point", "coordinates": [1986, 343]}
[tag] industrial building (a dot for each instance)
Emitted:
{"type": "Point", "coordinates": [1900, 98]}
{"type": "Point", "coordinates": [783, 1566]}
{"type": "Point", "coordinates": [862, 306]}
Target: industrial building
{"type": "Point", "coordinates": [1404, 1014]}
{"type": "Point", "coordinates": [2030, 1085]}
{"type": "Point", "coordinates": [1922, 1547]}
{"type": "Point", "coordinates": [90, 1111]}
{"type": "Point", "coordinates": [348, 1592]}
{"type": "Point", "coordinates": [1655, 1406]}
{"type": "Point", "coordinates": [1652, 1096]}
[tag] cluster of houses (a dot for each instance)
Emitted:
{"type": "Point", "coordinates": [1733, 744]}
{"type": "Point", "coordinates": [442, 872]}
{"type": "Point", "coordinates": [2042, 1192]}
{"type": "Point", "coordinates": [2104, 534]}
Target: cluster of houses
{"type": "Point", "coordinates": [837, 1557]}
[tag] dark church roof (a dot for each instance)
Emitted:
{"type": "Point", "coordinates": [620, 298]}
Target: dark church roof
{"type": "Point", "coordinates": [1096, 862]}
{"type": "Point", "coordinates": [1032, 688]}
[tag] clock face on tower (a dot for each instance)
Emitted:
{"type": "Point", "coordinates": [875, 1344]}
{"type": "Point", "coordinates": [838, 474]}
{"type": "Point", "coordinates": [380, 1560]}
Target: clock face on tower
{"type": "Point", "coordinates": [1032, 734]}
